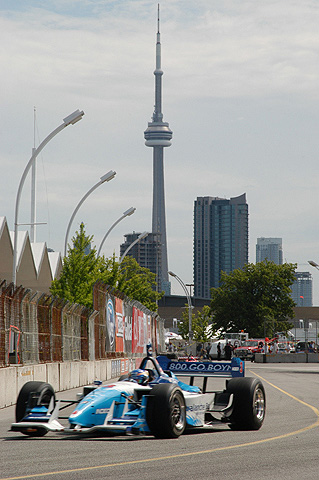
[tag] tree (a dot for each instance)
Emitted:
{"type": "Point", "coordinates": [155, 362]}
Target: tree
{"type": "Point", "coordinates": [256, 299]}
{"type": "Point", "coordinates": [138, 283]}
{"type": "Point", "coordinates": [81, 269]}
{"type": "Point", "coordinates": [202, 327]}
{"type": "Point", "coordinates": [183, 326]}
{"type": "Point", "coordinates": [79, 272]}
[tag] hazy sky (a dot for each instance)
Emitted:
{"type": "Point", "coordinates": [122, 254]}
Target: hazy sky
{"type": "Point", "coordinates": [240, 93]}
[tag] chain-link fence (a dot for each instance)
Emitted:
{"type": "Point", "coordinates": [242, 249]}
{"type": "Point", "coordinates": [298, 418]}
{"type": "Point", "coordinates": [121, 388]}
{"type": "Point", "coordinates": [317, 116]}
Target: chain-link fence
{"type": "Point", "coordinates": [39, 328]}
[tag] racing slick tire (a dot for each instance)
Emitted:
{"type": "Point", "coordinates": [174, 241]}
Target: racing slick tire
{"type": "Point", "coordinates": [166, 411]}
{"type": "Point", "coordinates": [249, 403]}
{"type": "Point", "coordinates": [46, 393]}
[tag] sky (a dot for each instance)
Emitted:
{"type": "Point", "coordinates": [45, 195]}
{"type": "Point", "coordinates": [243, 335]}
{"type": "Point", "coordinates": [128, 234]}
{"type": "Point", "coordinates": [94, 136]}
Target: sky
{"type": "Point", "coordinates": [240, 93]}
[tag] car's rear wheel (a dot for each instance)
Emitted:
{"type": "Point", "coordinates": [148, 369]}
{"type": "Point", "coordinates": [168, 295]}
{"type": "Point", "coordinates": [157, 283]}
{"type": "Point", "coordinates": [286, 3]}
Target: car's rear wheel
{"type": "Point", "coordinates": [166, 411]}
{"type": "Point", "coordinates": [249, 403]}
{"type": "Point", "coordinates": [44, 392]}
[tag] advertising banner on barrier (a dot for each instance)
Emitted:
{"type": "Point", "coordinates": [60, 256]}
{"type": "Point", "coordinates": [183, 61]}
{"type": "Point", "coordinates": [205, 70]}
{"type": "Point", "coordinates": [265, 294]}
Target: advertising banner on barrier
{"type": "Point", "coordinates": [119, 325]}
{"type": "Point", "coordinates": [142, 331]}
{"type": "Point", "coordinates": [110, 324]}
{"type": "Point", "coordinates": [128, 313]}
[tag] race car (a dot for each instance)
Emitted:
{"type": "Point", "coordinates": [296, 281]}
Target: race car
{"type": "Point", "coordinates": [148, 401]}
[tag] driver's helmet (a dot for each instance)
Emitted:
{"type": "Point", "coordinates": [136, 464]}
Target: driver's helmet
{"type": "Point", "coordinates": [140, 376]}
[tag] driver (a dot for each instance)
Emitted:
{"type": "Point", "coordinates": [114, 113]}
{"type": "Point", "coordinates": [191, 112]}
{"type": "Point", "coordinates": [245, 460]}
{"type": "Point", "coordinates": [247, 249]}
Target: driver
{"type": "Point", "coordinates": [140, 376]}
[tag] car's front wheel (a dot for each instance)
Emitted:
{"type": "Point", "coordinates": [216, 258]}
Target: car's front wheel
{"type": "Point", "coordinates": [166, 411]}
{"type": "Point", "coordinates": [44, 392]}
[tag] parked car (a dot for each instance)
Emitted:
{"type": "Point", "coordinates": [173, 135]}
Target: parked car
{"type": "Point", "coordinates": [309, 347]}
{"type": "Point", "coordinates": [248, 349]}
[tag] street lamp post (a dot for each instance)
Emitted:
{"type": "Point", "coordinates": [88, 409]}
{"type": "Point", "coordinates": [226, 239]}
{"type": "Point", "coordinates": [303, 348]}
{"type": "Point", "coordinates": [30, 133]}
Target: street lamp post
{"type": "Point", "coordinates": [69, 120]}
{"type": "Point", "coordinates": [127, 213]}
{"type": "Point", "coordinates": [140, 237]}
{"type": "Point", "coordinates": [189, 301]}
{"type": "Point", "coordinates": [105, 178]}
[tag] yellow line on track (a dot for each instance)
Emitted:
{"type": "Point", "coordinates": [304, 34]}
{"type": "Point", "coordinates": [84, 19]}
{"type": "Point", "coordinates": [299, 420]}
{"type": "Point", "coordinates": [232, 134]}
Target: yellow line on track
{"type": "Point", "coordinates": [190, 454]}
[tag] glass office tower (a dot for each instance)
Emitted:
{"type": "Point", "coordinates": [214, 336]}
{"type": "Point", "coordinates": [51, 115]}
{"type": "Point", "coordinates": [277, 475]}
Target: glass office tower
{"type": "Point", "coordinates": [302, 289]}
{"type": "Point", "coordinates": [269, 249]}
{"type": "Point", "coordinates": [220, 240]}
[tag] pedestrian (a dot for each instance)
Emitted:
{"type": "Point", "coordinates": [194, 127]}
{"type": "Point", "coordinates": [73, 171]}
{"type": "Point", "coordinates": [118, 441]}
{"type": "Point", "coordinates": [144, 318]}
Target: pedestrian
{"type": "Point", "coordinates": [219, 351]}
{"type": "Point", "coordinates": [228, 351]}
{"type": "Point", "coordinates": [203, 354]}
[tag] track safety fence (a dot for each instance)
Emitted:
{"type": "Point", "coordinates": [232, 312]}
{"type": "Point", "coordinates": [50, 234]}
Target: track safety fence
{"type": "Point", "coordinates": [40, 328]}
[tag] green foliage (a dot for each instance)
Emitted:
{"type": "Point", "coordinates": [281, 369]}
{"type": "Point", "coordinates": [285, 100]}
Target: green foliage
{"type": "Point", "coordinates": [138, 283]}
{"type": "Point", "coordinates": [201, 325]}
{"type": "Point", "coordinates": [81, 269]}
{"type": "Point", "coordinates": [79, 273]}
{"type": "Point", "coordinates": [203, 329]}
{"type": "Point", "coordinates": [183, 326]}
{"type": "Point", "coordinates": [256, 299]}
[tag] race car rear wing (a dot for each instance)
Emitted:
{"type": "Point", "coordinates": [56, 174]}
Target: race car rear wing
{"type": "Point", "coordinates": [234, 368]}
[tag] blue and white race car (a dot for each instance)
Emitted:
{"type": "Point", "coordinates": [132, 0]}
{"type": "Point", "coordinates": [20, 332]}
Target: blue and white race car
{"type": "Point", "coordinates": [150, 400]}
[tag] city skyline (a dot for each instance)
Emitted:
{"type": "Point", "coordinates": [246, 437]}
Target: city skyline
{"type": "Point", "coordinates": [240, 94]}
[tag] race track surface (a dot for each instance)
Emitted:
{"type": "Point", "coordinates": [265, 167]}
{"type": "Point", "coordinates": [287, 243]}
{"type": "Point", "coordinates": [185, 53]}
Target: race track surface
{"type": "Point", "coordinates": [285, 447]}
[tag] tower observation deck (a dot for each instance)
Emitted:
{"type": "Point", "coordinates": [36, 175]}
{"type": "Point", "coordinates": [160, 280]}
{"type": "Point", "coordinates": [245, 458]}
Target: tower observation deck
{"type": "Point", "coordinates": [158, 135]}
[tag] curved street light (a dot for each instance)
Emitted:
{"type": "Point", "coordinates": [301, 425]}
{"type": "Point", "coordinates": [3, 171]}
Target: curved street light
{"type": "Point", "coordinates": [313, 264]}
{"type": "Point", "coordinates": [127, 213]}
{"type": "Point", "coordinates": [69, 120]}
{"type": "Point", "coordinates": [140, 237]}
{"type": "Point", "coordinates": [106, 178]}
{"type": "Point", "coordinates": [189, 301]}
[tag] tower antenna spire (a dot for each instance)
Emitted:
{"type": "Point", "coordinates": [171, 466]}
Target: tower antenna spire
{"type": "Point", "coordinates": [158, 19]}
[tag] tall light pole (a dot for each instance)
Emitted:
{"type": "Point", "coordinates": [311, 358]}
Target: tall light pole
{"type": "Point", "coordinates": [105, 178]}
{"type": "Point", "coordinates": [189, 301]}
{"type": "Point", "coordinates": [127, 213]}
{"type": "Point", "coordinates": [314, 264]}
{"type": "Point", "coordinates": [69, 120]}
{"type": "Point", "coordinates": [140, 237]}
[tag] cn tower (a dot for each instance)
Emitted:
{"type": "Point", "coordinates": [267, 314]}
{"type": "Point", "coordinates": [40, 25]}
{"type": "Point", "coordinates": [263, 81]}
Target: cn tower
{"type": "Point", "coordinates": [158, 135]}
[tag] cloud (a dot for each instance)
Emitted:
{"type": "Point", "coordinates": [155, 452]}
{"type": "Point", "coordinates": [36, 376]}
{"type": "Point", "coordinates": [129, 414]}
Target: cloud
{"type": "Point", "coordinates": [240, 92]}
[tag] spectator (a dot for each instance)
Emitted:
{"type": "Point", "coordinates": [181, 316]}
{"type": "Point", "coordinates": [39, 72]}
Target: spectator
{"type": "Point", "coordinates": [203, 354]}
{"type": "Point", "coordinates": [219, 351]}
{"type": "Point", "coordinates": [228, 351]}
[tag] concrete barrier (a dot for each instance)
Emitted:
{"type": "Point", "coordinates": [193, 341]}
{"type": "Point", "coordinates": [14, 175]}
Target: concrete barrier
{"type": "Point", "coordinates": [287, 358]}
{"type": "Point", "coordinates": [53, 375]}
{"type": "Point", "coordinates": [62, 376]}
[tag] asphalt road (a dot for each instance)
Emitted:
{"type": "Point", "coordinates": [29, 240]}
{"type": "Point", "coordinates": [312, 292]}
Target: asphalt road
{"type": "Point", "coordinates": [286, 447]}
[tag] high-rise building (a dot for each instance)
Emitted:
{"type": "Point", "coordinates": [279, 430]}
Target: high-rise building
{"type": "Point", "coordinates": [158, 136]}
{"type": "Point", "coordinates": [302, 289]}
{"type": "Point", "coordinates": [269, 249]}
{"type": "Point", "coordinates": [220, 240]}
{"type": "Point", "coordinates": [147, 252]}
